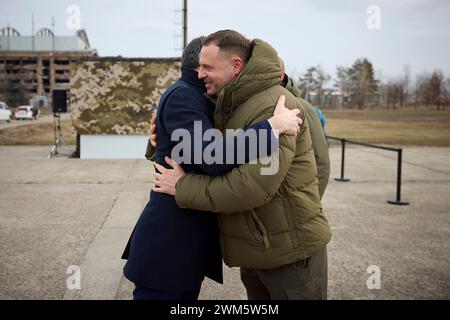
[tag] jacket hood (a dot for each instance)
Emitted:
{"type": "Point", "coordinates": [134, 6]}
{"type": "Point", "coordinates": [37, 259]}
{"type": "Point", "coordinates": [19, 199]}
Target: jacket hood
{"type": "Point", "coordinates": [261, 72]}
{"type": "Point", "coordinates": [292, 87]}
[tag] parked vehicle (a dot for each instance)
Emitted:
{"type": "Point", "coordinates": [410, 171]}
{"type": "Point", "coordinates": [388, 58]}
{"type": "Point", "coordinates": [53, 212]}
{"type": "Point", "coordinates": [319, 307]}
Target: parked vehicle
{"type": "Point", "coordinates": [40, 102]}
{"type": "Point", "coordinates": [5, 112]}
{"type": "Point", "coordinates": [26, 112]}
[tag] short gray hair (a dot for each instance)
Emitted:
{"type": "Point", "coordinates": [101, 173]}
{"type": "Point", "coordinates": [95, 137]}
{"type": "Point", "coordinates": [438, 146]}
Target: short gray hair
{"type": "Point", "coordinates": [191, 53]}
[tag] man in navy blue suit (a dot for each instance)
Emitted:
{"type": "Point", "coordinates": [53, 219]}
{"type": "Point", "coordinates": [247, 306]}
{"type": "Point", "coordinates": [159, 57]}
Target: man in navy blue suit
{"type": "Point", "coordinates": [171, 249]}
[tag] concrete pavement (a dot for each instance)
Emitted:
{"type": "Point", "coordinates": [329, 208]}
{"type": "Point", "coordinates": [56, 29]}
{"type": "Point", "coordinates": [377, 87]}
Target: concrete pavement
{"type": "Point", "coordinates": [57, 213]}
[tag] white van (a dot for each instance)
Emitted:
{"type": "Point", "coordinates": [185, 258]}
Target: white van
{"type": "Point", "coordinates": [5, 112]}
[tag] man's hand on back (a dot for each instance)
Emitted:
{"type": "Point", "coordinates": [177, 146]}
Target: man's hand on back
{"type": "Point", "coordinates": [152, 132]}
{"type": "Point", "coordinates": [166, 180]}
{"type": "Point", "coordinates": [285, 120]}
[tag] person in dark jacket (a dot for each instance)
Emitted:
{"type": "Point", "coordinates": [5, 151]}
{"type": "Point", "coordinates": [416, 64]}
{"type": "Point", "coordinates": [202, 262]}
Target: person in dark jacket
{"type": "Point", "coordinates": [316, 129]}
{"type": "Point", "coordinates": [171, 249]}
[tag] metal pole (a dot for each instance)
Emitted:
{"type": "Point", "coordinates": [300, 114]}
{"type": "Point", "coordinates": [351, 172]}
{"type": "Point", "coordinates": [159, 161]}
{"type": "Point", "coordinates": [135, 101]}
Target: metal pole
{"type": "Point", "coordinates": [53, 35]}
{"type": "Point", "coordinates": [398, 201]}
{"type": "Point", "coordinates": [56, 133]}
{"type": "Point", "coordinates": [342, 179]}
{"type": "Point", "coordinates": [32, 32]}
{"type": "Point", "coordinates": [343, 159]}
{"type": "Point", "coordinates": [185, 23]}
{"type": "Point", "coordinates": [54, 150]}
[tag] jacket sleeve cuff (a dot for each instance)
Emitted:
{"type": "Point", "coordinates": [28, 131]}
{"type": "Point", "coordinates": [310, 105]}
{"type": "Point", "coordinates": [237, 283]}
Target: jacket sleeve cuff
{"type": "Point", "coordinates": [150, 152]}
{"type": "Point", "coordinates": [181, 196]}
{"type": "Point", "coordinates": [275, 134]}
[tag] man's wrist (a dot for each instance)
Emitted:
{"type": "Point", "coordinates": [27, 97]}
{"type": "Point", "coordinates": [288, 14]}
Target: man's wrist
{"type": "Point", "coordinates": [272, 123]}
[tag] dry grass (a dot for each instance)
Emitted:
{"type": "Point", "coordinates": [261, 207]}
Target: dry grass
{"type": "Point", "coordinates": [37, 134]}
{"type": "Point", "coordinates": [391, 127]}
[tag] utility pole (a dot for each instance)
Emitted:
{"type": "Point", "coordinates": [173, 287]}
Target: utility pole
{"type": "Point", "coordinates": [32, 32]}
{"type": "Point", "coordinates": [185, 17]}
{"type": "Point", "coordinates": [53, 30]}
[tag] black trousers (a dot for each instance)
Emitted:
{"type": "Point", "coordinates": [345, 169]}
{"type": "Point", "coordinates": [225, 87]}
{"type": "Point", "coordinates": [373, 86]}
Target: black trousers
{"type": "Point", "coordinates": [306, 279]}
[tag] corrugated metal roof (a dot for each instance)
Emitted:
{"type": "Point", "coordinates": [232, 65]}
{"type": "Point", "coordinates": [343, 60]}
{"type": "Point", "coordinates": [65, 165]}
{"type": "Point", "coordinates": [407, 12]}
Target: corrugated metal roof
{"type": "Point", "coordinates": [46, 42]}
{"type": "Point", "coordinates": [25, 43]}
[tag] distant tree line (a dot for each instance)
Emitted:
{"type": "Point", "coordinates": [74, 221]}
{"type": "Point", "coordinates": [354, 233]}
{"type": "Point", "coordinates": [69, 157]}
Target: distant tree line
{"type": "Point", "coordinates": [357, 87]}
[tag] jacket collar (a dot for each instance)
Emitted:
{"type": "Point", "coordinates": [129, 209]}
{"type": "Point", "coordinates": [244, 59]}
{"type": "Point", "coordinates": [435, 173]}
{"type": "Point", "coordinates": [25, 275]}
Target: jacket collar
{"type": "Point", "coordinates": [291, 86]}
{"type": "Point", "coordinates": [191, 77]}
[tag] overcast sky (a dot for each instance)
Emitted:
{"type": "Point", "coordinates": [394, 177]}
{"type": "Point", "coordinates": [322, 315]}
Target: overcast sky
{"type": "Point", "coordinates": [305, 33]}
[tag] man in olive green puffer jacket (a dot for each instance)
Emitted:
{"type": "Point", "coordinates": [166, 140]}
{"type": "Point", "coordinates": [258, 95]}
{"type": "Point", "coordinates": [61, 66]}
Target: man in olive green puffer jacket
{"type": "Point", "coordinates": [272, 226]}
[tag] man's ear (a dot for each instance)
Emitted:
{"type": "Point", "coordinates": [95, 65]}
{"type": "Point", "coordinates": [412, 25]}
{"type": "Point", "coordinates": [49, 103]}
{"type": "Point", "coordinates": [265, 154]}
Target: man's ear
{"type": "Point", "coordinates": [238, 65]}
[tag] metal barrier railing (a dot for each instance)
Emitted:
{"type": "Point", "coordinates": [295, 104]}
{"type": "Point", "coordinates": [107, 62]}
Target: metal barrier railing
{"type": "Point", "coordinates": [398, 200]}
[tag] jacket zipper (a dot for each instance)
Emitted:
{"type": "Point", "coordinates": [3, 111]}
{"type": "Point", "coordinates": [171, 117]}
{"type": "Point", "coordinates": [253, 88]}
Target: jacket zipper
{"type": "Point", "coordinates": [258, 231]}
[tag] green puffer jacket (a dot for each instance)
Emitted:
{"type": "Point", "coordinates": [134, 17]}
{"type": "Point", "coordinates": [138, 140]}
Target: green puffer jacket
{"type": "Point", "coordinates": [319, 143]}
{"type": "Point", "coordinates": [266, 221]}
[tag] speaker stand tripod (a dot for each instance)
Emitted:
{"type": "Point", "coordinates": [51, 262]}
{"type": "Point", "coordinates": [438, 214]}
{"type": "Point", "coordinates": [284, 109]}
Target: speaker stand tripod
{"type": "Point", "coordinates": [58, 139]}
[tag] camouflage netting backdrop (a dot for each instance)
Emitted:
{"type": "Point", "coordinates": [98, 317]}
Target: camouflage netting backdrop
{"type": "Point", "coordinates": [118, 96]}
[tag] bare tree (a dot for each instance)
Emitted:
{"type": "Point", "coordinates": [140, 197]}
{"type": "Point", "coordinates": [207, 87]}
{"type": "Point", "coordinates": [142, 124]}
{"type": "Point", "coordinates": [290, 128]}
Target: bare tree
{"type": "Point", "coordinates": [394, 94]}
{"type": "Point", "coordinates": [312, 83]}
{"type": "Point", "coordinates": [446, 93]}
{"type": "Point", "coordinates": [435, 92]}
{"type": "Point", "coordinates": [343, 84]}
{"type": "Point", "coordinates": [404, 86]}
{"type": "Point", "coordinates": [420, 89]}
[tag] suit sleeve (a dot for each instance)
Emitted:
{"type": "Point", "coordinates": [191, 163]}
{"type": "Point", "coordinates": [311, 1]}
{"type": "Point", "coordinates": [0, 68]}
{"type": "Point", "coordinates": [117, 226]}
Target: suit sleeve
{"type": "Point", "coordinates": [185, 111]}
{"type": "Point", "coordinates": [244, 187]}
